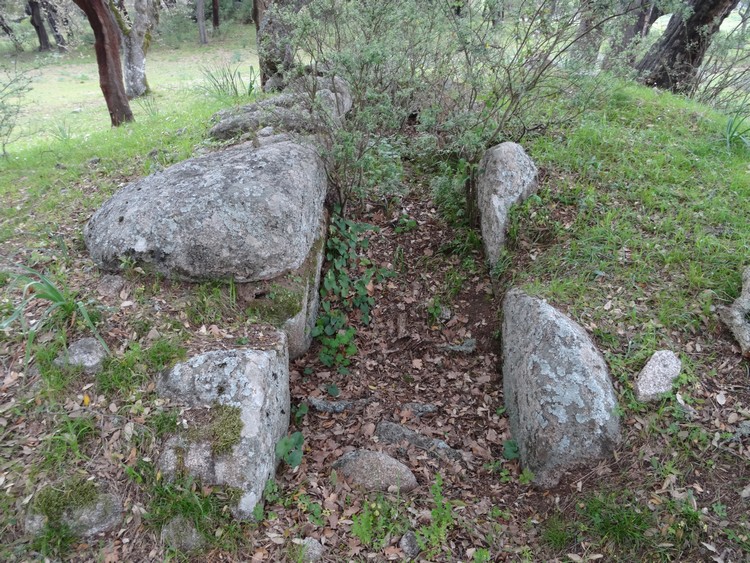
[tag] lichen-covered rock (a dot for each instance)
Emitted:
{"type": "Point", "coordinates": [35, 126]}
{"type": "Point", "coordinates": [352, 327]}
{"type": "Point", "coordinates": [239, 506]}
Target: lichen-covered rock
{"type": "Point", "coordinates": [657, 375]}
{"type": "Point", "coordinates": [180, 534]}
{"type": "Point", "coordinates": [303, 108]}
{"type": "Point", "coordinates": [290, 302]}
{"type": "Point", "coordinates": [98, 515]}
{"type": "Point", "coordinates": [243, 213]}
{"type": "Point", "coordinates": [237, 453]}
{"type": "Point", "coordinates": [375, 471]}
{"type": "Point", "coordinates": [507, 176]}
{"type": "Point", "coordinates": [313, 550]}
{"type": "Point", "coordinates": [560, 400]}
{"type": "Point", "coordinates": [86, 353]}
{"type": "Point", "coordinates": [737, 317]}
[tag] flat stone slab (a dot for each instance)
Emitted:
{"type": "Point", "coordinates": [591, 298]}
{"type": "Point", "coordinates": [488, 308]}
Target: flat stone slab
{"type": "Point", "coordinates": [375, 471]}
{"type": "Point", "coordinates": [256, 383]}
{"type": "Point", "coordinates": [242, 213]}
{"type": "Point", "coordinates": [392, 433]}
{"type": "Point", "coordinates": [560, 400]}
{"type": "Point", "coordinates": [657, 376]}
{"type": "Point", "coordinates": [101, 515]}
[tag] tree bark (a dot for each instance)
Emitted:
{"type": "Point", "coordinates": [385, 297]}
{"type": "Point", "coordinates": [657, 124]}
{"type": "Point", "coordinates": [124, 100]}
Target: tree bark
{"type": "Point", "coordinates": [274, 52]}
{"type": "Point", "coordinates": [200, 9]}
{"type": "Point", "coordinates": [637, 24]}
{"type": "Point", "coordinates": [53, 18]}
{"type": "Point", "coordinates": [136, 39]}
{"type": "Point", "coordinates": [5, 26]}
{"type": "Point", "coordinates": [107, 47]}
{"type": "Point", "coordinates": [215, 14]}
{"type": "Point", "coordinates": [38, 23]}
{"type": "Point", "coordinates": [673, 62]}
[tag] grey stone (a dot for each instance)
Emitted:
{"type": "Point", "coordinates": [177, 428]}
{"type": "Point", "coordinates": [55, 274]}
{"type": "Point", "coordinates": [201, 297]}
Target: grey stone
{"type": "Point", "coordinates": [180, 534]}
{"type": "Point", "coordinates": [303, 108]}
{"type": "Point", "coordinates": [737, 317]}
{"type": "Point", "coordinates": [110, 285]}
{"type": "Point", "coordinates": [291, 301]}
{"type": "Point", "coordinates": [375, 471]}
{"type": "Point", "coordinates": [420, 409]}
{"type": "Point", "coordinates": [87, 353]}
{"type": "Point", "coordinates": [468, 346]}
{"type": "Point", "coordinates": [102, 515]}
{"type": "Point", "coordinates": [507, 176]}
{"type": "Point", "coordinates": [560, 400]}
{"type": "Point", "coordinates": [314, 550]}
{"type": "Point", "coordinates": [242, 213]}
{"type": "Point", "coordinates": [657, 375]}
{"type": "Point", "coordinates": [255, 381]}
{"type": "Point", "coordinates": [392, 433]}
{"type": "Point", "coordinates": [409, 544]}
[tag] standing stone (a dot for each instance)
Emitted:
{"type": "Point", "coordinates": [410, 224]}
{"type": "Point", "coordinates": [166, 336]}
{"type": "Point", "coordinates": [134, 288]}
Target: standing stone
{"type": "Point", "coordinates": [242, 213]}
{"type": "Point", "coordinates": [560, 400]}
{"type": "Point", "coordinates": [254, 381]}
{"type": "Point", "coordinates": [657, 375]}
{"type": "Point", "coordinates": [507, 176]}
{"type": "Point", "coordinates": [737, 317]}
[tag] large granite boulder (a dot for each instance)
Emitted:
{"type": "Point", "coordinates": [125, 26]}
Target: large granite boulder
{"type": "Point", "coordinates": [306, 106]}
{"type": "Point", "coordinates": [560, 400]}
{"type": "Point", "coordinates": [243, 213]}
{"type": "Point", "coordinates": [233, 443]}
{"type": "Point", "coordinates": [507, 176]}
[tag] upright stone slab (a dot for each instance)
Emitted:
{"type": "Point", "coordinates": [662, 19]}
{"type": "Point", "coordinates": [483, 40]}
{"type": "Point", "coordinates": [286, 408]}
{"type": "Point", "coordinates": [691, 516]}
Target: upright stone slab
{"type": "Point", "coordinates": [737, 317]}
{"type": "Point", "coordinates": [560, 400]}
{"type": "Point", "coordinates": [506, 176]}
{"type": "Point", "coordinates": [256, 382]}
{"type": "Point", "coordinates": [243, 213]}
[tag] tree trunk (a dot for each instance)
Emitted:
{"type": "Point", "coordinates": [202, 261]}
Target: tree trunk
{"type": "Point", "coordinates": [38, 22]}
{"type": "Point", "coordinates": [200, 9]}
{"type": "Point", "coordinates": [136, 39]}
{"type": "Point", "coordinates": [673, 62]}
{"type": "Point", "coordinates": [54, 23]}
{"type": "Point", "coordinates": [274, 52]}
{"type": "Point", "coordinates": [107, 47]}
{"type": "Point", "coordinates": [590, 35]}
{"type": "Point", "coordinates": [215, 14]}
{"type": "Point", "coordinates": [5, 26]}
{"type": "Point", "coordinates": [641, 15]}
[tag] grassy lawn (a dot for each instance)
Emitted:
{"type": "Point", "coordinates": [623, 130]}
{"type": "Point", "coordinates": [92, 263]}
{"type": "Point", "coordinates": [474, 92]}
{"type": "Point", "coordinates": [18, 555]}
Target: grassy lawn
{"type": "Point", "coordinates": [640, 232]}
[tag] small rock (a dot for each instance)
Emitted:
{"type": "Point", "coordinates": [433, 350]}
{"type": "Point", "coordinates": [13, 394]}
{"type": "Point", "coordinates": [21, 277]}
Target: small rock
{"type": "Point", "coordinates": [110, 285]}
{"type": "Point", "coordinates": [392, 433]}
{"type": "Point", "coordinates": [94, 161]}
{"type": "Point", "coordinates": [375, 471]}
{"type": "Point", "coordinates": [445, 313]}
{"type": "Point", "coordinates": [314, 550]}
{"type": "Point", "coordinates": [102, 515]}
{"type": "Point", "coordinates": [409, 544]}
{"type": "Point", "coordinates": [87, 353]}
{"type": "Point", "coordinates": [180, 534]}
{"type": "Point", "coordinates": [420, 409]}
{"type": "Point", "coordinates": [468, 346]}
{"type": "Point", "coordinates": [657, 375]}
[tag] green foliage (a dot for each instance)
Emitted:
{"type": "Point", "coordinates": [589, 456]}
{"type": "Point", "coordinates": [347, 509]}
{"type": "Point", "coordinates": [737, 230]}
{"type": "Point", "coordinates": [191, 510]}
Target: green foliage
{"type": "Point", "coordinates": [223, 430]}
{"type": "Point", "coordinates": [379, 520]}
{"type": "Point", "coordinates": [433, 536]}
{"type": "Point", "coordinates": [617, 520]}
{"type": "Point", "coordinates": [558, 533]}
{"type": "Point", "coordinates": [164, 423]}
{"type": "Point", "coordinates": [289, 449]}
{"type": "Point", "coordinates": [526, 477]}
{"type": "Point", "coordinates": [299, 413]}
{"type": "Point", "coordinates": [344, 292]}
{"type": "Point", "coordinates": [224, 82]}
{"type": "Point", "coordinates": [14, 85]}
{"type": "Point", "coordinates": [53, 501]}
{"type": "Point", "coordinates": [62, 307]}
{"type": "Point", "coordinates": [65, 444]}
{"type": "Point", "coordinates": [510, 450]}
{"type": "Point", "coordinates": [738, 129]}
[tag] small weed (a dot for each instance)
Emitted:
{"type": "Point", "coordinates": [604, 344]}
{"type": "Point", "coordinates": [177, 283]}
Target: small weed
{"type": "Point", "coordinates": [66, 443]}
{"type": "Point", "coordinates": [289, 449]}
{"type": "Point", "coordinates": [615, 520]}
{"type": "Point", "coordinates": [433, 536]}
{"type": "Point", "coordinates": [227, 82]}
{"type": "Point", "coordinates": [164, 423]}
{"type": "Point", "coordinates": [405, 224]}
{"type": "Point", "coordinates": [313, 510]}
{"type": "Point", "coordinates": [482, 555]}
{"type": "Point", "coordinates": [378, 521]}
{"type": "Point", "coordinates": [299, 413]}
{"type": "Point", "coordinates": [526, 477]}
{"type": "Point", "coordinates": [510, 450]}
{"type": "Point", "coordinates": [558, 533]}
